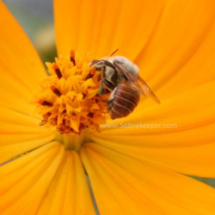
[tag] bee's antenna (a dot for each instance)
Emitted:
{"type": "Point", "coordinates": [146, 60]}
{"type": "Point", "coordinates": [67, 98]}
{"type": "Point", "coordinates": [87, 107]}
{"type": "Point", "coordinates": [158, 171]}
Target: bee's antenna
{"type": "Point", "coordinates": [114, 52]}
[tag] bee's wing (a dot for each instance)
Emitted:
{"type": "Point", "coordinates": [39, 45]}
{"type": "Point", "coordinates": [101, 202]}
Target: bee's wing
{"type": "Point", "coordinates": [146, 89]}
{"type": "Point", "coordinates": [138, 82]}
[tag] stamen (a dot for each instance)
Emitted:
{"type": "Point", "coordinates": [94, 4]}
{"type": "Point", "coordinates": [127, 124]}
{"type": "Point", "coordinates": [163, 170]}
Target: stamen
{"type": "Point", "coordinates": [45, 103]}
{"type": "Point", "coordinates": [74, 117]}
{"type": "Point", "coordinates": [43, 122]}
{"type": "Point", "coordinates": [91, 73]}
{"type": "Point", "coordinates": [84, 93]}
{"type": "Point", "coordinates": [57, 70]}
{"type": "Point", "coordinates": [90, 114]}
{"type": "Point", "coordinates": [72, 57]}
{"type": "Point", "coordinates": [47, 115]}
{"type": "Point", "coordinates": [56, 91]}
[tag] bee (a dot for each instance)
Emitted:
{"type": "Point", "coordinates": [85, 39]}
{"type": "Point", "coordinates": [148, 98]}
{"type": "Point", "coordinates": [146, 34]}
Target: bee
{"type": "Point", "coordinates": [120, 77]}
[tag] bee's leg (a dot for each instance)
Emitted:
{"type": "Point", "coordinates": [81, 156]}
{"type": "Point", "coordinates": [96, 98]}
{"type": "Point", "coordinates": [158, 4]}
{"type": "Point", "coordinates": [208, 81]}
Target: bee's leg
{"type": "Point", "coordinates": [112, 95]}
{"type": "Point", "coordinates": [109, 85]}
{"type": "Point", "coordinates": [105, 87]}
{"type": "Point", "coordinates": [101, 88]}
{"type": "Point", "coordinates": [110, 100]}
{"type": "Point", "coordinates": [114, 76]}
{"type": "Point", "coordinates": [107, 63]}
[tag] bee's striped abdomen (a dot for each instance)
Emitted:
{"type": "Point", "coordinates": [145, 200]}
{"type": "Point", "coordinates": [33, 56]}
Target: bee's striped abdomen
{"type": "Point", "coordinates": [124, 101]}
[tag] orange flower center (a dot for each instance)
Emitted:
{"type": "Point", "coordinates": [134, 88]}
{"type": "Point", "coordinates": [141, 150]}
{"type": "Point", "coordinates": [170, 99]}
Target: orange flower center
{"type": "Point", "coordinates": [69, 99]}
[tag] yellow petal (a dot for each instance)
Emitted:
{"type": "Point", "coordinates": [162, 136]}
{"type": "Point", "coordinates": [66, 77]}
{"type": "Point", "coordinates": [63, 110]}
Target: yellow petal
{"type": "Point", "coordinates": [21, 68]}
{"type": "Point", "coordinates": [101, 27]}
{"type": "Point", "coordinates": [25, 181]}
{"type": "Point", "coordinates": [69, 192]}
{"type": "Point", "coordinates": [187, 147]}
{"type": "Point", "coordinates": [20, 133]}
{"type": "Point", "coordinates": [10, 150]}
{"type": "Point", "coordinates": [180, 52]}
{"type": "Point", "coordinates": [149, 189]}
{"type": "Point", "coordinates": [192, 160]}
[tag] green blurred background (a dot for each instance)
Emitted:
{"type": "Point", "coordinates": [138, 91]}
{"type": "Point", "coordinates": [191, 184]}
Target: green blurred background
{"type": "Point", "coordinates": [36, 18]}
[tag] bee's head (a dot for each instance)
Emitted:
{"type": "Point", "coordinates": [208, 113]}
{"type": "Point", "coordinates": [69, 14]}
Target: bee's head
{"type": "Point", "coordinates": [104, 62]}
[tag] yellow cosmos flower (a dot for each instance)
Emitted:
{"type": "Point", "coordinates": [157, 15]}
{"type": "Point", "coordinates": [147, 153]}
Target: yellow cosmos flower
{"type": "Point", "coordinates": [131, 170]}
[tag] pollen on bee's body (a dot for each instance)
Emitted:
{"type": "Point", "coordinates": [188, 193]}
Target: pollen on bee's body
{"type": "Point", "coordinates": [69, 99]}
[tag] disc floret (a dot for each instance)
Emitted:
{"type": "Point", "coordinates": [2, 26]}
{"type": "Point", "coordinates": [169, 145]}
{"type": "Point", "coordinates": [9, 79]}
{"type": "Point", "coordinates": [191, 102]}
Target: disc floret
{"type": "Point", "coordinates": [69, 99]}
